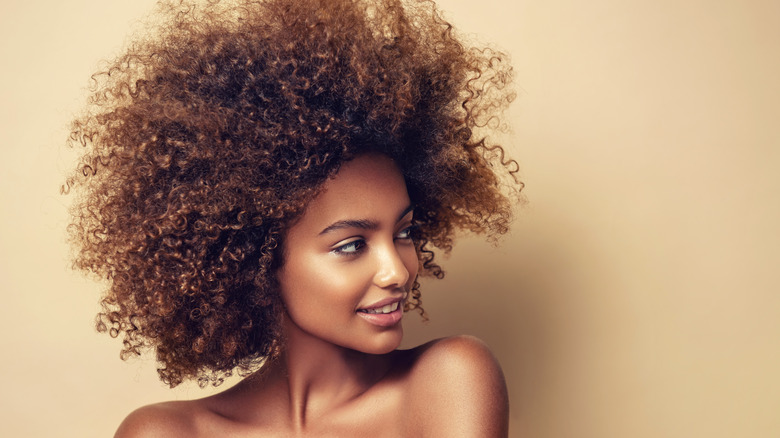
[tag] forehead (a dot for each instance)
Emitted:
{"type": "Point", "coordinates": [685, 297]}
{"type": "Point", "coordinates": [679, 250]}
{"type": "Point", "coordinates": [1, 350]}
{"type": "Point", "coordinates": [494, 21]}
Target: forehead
{"type": "Point", "coordinates": [369, 187]}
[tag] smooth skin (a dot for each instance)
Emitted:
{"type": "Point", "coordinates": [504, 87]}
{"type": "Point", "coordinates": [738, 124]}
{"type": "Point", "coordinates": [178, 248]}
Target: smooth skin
{"type": "Point", "coordinates": [340, 374]}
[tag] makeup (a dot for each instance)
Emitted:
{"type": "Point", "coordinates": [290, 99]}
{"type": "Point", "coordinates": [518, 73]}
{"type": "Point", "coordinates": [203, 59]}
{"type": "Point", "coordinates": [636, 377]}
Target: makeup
{"type": "Point", "coordinates": [385, 313]}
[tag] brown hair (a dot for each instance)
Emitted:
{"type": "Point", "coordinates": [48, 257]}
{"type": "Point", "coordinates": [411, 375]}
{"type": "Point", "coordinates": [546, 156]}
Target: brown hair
{"type": "Point", "coordinates": [206, 139]}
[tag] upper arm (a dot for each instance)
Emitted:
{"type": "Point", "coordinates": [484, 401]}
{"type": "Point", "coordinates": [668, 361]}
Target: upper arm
{"type": "Point", "coordinates": [160, 420]}
{"type": "Point", "coordinates": [458, 390]}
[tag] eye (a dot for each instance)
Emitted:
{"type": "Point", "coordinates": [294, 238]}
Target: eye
{"type": "Point", "coordinates": [406, 233]}
{"type": "Point", "coordinates": [350, 248]}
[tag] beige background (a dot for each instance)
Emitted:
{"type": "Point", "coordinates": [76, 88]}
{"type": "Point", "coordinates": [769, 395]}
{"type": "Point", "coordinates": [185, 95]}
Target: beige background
{"type": "Point", "coordinates": [637, 296]}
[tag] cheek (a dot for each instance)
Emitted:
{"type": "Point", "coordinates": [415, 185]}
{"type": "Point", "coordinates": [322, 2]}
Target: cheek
{"type": "Point", "coordinates": [320, 280]}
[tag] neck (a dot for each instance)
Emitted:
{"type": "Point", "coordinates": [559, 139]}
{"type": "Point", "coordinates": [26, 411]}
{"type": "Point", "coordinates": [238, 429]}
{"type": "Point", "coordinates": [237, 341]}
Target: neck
{"type": "Point", "coordinates": [321, 376]}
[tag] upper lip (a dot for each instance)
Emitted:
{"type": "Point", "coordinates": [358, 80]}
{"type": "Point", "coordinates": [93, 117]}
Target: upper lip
{"type": "Point", "coordinates": [383, 302]}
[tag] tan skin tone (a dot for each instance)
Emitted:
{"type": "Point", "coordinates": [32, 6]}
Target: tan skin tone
{"type": "Point", "coordinates": [340, 374]}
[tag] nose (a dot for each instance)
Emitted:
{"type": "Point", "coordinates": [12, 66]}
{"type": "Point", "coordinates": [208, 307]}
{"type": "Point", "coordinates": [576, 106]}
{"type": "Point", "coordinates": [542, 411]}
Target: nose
{"type": "Point", "coordinates": [391, 271]}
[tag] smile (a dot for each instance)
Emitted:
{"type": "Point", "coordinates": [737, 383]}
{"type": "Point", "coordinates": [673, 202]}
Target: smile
{"type": "Point", "coordinates": [385, 313]}
{"type": "Point", "coordinates": [385, 309]}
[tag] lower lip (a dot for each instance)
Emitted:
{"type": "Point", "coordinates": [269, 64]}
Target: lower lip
{"type": "Point", "coordinates": [383, 319]}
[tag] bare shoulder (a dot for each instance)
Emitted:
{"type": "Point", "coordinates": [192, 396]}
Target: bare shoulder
{"type": "Point", "coordinates": [169, 419]}
{"type": "Point", "coordinates": [457, 388]}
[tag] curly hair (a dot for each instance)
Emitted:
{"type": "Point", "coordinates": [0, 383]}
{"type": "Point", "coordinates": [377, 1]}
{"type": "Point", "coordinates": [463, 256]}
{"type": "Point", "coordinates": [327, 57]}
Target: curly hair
{"type": "Point", "coordinates": [205, 140]}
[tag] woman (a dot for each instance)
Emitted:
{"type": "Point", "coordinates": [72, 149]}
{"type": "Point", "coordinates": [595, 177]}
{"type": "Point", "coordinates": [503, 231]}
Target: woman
{"type": "Point", "coordinates": [262, 185]}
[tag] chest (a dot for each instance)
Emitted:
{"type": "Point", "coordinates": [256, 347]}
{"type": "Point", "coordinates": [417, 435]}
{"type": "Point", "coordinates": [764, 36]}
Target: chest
{"type": "Point", "coordinates": [379, 413]}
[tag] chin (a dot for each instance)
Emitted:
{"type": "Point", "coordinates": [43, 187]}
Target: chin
{"type": "Point", "coordinates": [383, 343]}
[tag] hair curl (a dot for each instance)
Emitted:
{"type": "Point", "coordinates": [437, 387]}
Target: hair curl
{"type": "Point", "coordinates": [207, 138]}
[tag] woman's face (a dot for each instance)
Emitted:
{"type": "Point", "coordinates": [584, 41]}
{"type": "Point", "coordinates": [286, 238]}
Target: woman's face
{"type": "Point", "coordinates": [349, 261]}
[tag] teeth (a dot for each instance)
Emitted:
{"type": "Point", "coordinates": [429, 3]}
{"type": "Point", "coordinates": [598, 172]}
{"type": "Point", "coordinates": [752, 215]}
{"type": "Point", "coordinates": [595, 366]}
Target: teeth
{"type": "Point", "coordinates": [386, 309]}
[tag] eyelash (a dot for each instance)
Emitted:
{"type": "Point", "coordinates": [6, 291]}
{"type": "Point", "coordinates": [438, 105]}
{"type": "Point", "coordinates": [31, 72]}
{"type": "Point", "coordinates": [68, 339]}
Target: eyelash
{"type": "Point", "coordinates": [359, 244]}
{"type": "Point", "coordinates": [409, 231]}
{"type": "Point", "coordinates": [405, 234]}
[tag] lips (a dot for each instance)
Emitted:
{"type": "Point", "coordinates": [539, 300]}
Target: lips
{"type": "Point", "coordinates": [383, 310]}
{"type": "Point", "coordinates": [384, 313]}
{"type": "Point", "coordinates": [381, 306]}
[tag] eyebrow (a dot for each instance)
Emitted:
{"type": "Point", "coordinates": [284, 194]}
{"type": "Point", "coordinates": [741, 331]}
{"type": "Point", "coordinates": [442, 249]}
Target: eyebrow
{"type": "Point", "coordinates": [364, 224]}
